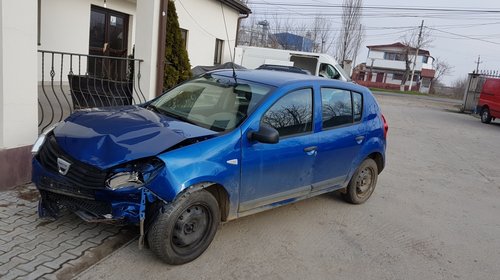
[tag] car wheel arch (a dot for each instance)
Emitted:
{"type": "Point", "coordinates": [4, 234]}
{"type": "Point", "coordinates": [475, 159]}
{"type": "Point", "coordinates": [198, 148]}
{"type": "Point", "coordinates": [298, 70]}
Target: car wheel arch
{"type": "Point", "coordinates": [217, 191]}
{"type": "Point", "coordinates": [379, 160]}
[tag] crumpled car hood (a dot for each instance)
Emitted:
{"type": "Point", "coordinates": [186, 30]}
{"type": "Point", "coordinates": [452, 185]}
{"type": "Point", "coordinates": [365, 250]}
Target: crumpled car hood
{"type": "Point", "coordinates": [105, 137]}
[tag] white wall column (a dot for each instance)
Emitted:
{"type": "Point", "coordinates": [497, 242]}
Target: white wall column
{"type": "Point", "coordinates": [146, 43]}
{"type": "Point", "coordinates": [18, 73]}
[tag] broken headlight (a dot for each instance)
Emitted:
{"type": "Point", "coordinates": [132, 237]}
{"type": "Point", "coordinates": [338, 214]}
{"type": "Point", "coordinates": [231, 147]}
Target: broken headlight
{"type": "Point", "coordinates": [41, 139]}
{"type": "Point", "coordinates": [134, 174]}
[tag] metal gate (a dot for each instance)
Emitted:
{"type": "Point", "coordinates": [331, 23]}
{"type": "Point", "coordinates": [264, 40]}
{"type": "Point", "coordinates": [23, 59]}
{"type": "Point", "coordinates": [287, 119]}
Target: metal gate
{"type": "Point", "coordinates": [474, 87]}
{"type": "Point", "coordinates": [71, 81]}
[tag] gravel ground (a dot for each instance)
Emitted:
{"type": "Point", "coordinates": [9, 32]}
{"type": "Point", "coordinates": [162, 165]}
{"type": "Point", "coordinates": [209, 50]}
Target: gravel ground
{"type": "Point", "coordinates": [434, 215]}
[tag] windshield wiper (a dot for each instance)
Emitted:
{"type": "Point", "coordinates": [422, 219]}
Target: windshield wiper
{"type": "Point", "coordinates": [170, 114]}
{"type": "Point", "coordinates": [154, 109]}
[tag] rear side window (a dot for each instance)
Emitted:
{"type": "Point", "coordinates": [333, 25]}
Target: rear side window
{"type": "Point", "coordinates": [292, 114]}
{"type": "Point", "coordinates": [336, 107]}
{"type": "Point", "coordinates": [357, 103]}
{"type": "Point", "coordinates": [340, 107]}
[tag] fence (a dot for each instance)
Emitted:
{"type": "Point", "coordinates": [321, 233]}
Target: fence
{"type": "Point", "coordinates": [71, 81]}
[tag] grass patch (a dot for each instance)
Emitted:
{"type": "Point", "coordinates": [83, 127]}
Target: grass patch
{"type": "Point", "coordinates": [397, 91]}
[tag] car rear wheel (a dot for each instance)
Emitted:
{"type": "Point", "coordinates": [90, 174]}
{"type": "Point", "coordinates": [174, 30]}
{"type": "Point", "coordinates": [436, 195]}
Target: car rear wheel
{"type": "Point", "coordinates": [185, 228]}
{"type": "Point", "coordinates": [362, 183]}
{"type": "Point", "coordinates": [485, 115]}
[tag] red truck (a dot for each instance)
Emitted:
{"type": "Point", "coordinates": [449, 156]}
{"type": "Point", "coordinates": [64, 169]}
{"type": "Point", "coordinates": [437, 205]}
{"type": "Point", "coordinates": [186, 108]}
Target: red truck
{"type": "Point", "coordinates": [489, 101]}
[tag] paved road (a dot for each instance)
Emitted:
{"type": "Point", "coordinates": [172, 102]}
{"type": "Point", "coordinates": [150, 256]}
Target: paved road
{"type": "Point", "coordinates": [434, 215]}
{"type": "Point", "coordinates": [434, 98]}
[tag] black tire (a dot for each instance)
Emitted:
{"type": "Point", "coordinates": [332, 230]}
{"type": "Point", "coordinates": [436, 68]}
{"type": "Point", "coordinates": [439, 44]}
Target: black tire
{"type": "Point", "coordinates": [185, 228]}
{"type": "Point", "coordinates": [362, 183]}
{"type": "Point", "coordinates": [485, 115]}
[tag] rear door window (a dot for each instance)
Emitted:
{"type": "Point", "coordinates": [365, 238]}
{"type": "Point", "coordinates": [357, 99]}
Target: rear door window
{"type": "Point", "coordinates": [340, 107]}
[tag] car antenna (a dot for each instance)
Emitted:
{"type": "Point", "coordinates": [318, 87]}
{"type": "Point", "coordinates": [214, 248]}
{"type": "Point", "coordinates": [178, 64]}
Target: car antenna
{"type": "Point", "coordinates": [228, 44]}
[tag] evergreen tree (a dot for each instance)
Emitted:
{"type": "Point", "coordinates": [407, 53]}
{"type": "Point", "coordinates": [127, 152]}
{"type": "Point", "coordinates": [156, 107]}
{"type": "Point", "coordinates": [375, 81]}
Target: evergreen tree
{"type": "Point", "coordinates": [177, 66]}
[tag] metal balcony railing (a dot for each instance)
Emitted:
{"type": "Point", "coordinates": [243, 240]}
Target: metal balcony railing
{"type": "Point", "coordinates": [71, 81]}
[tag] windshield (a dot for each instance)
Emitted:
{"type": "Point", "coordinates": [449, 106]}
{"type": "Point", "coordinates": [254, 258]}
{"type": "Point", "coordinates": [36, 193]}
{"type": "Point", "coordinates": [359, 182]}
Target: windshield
{"type": "Point", "coordinates": [214, 102]}
{"type": "Point", "coordinates": [341, 70]}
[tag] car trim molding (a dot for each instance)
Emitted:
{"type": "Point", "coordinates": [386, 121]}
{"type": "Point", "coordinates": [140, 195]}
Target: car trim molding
{"type": "Point", "coordinates": [248, 205]}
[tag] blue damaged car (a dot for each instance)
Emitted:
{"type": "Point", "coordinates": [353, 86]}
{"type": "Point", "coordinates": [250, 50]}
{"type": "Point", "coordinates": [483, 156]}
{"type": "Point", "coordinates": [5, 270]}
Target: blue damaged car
{"type": "Point", "coordinates": [221, 146]}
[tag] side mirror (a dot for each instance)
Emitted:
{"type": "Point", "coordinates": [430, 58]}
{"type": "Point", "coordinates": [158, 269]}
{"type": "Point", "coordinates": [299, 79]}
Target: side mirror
{"type": "Point", "coordinates": [265, 134]}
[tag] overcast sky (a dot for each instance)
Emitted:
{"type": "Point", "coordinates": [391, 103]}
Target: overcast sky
{"type": "Point", "coordinates": [458, 51]}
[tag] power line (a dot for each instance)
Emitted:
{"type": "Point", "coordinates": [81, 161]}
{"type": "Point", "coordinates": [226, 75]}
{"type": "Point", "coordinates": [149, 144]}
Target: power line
{"type": "Point", "coordinates": [406, 8]}
{"type": "Point", "coordinates": [464, 36]}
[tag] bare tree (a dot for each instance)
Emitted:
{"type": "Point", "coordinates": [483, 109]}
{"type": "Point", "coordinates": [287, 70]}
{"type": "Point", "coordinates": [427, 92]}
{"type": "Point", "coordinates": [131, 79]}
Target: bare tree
{"type": "Point", "coordinates": [459, 86]}
{"type": "Point", "coordinates": [443, 68]}
{"type": "Point", "coordinates": [351, 32]}
{"type": "Point", "coordinates": [412, 41]}
{"type": "Point", "coordinates": [321, 34]}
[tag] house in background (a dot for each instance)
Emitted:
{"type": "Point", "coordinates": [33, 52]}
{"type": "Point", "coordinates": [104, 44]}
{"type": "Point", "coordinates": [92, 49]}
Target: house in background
{"type": "Point", "coordinates": [385, 67]}
{"type": "Point", "coordinates": [57, 56]}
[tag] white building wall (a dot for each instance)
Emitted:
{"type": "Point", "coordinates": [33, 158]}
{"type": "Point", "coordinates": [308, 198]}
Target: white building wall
{"type": "Point", "coordinates": [65, 24]}
{"type": "Point", "coordinates": [18, 71]}
{"type": "Point", "coordinates": [65, 31]}
{"type": "Point", "coordinates": [380, 62]}
{"type": "Point", "coordinates": [205, 23]}
{"type": "Point", "coordinates": [148, 13]}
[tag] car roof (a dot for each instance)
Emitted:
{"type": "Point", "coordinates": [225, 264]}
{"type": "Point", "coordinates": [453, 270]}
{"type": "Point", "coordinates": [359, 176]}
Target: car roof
{"type": "Point", "coordinates": [281, 78]}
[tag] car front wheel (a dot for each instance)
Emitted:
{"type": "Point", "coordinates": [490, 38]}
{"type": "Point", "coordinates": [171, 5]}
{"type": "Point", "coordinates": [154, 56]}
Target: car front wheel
{"type": "Point", "coordinates": [362, 183]}
{"type": "Point", "coordinates": [485, 115]}
{"type": "Point", "coordinates": [185, 228]}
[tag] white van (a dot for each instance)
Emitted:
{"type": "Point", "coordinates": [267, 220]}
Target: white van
{"type": "Point", "coordinates": [318, 64]}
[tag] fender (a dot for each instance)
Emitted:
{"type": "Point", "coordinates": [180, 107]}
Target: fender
{"type": "Point", "coordinates": [220, 165]}
{"type": "Point", "coordinates": [373, 145]}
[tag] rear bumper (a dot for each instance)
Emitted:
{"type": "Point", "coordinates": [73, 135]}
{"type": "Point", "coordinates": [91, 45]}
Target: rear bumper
{"type": "Point", "coordinates": [123, 206]}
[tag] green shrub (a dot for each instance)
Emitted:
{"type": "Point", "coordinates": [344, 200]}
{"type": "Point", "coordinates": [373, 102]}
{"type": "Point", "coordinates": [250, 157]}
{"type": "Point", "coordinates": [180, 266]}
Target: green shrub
{"type": "Point", "coordinates": [177, 66]}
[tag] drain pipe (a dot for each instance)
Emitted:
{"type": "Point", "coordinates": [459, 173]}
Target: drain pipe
{"type": "Point", "coordinates": [162, 35]}
{"type": "Point", "coordinates": [238, 30]}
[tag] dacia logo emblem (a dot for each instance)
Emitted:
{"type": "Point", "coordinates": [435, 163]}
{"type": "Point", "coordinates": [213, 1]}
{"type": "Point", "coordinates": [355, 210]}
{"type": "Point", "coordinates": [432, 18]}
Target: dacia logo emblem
{"type": "Point", "coordinates": [63, 166]}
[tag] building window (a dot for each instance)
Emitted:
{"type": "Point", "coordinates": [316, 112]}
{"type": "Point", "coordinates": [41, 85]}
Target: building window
{"type": "Point", "coordinates": [425, 59]}
{"type": "Point", "coordinates": [361, 76]}
{"type": "Point", "coordinates": [426, 82]}
{"type": "Point", "coordinates": [394, 56]}
{"type": "Point", "coordinates": [218, 51]}
{"type": "Point", "coordinates": [397, 76]}
{"type": "Point", "coordinates": [184, 35]}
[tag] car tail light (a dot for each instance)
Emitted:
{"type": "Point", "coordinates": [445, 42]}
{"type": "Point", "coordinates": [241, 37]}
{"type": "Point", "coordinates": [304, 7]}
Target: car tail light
{"type": "Point", "coordinates": [386, 126]}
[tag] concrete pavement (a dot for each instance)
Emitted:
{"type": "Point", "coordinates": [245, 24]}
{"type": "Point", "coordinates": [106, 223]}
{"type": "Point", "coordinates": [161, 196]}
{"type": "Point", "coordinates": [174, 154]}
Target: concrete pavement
{"type": "Point", "coordinates": [32, 248]}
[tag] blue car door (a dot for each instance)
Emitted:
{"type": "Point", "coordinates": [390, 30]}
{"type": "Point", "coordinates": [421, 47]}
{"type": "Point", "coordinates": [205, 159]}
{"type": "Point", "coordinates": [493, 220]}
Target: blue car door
{"type": "Point", "coordinates": [272, 173]}
{"type": "Point", "coordinates": [341, 137]}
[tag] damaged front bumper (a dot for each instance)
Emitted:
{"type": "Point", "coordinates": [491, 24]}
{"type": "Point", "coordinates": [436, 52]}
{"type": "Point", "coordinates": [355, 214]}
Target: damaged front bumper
{"type": "Point", "coordinates": [124, 206]}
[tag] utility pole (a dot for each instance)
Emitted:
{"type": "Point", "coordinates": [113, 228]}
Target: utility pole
{"type": "Point", "coordinates": [477, 63]}
{"type": "Point", "coordinates": [416, 55]}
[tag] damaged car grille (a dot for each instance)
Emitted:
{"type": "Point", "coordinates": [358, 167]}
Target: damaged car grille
{"type": "Point", "coordinates": [97, 208]}
{"type": "Point", "coordinates": [54, 186]}
{"type": "Point", "coordinates": [79, 174]}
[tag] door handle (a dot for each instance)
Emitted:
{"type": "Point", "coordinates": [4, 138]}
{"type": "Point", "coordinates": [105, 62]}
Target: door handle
{"type": "Point", "coordinates": [360, 139]}
{"type": "Point", "coordinates": [311, 151]}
